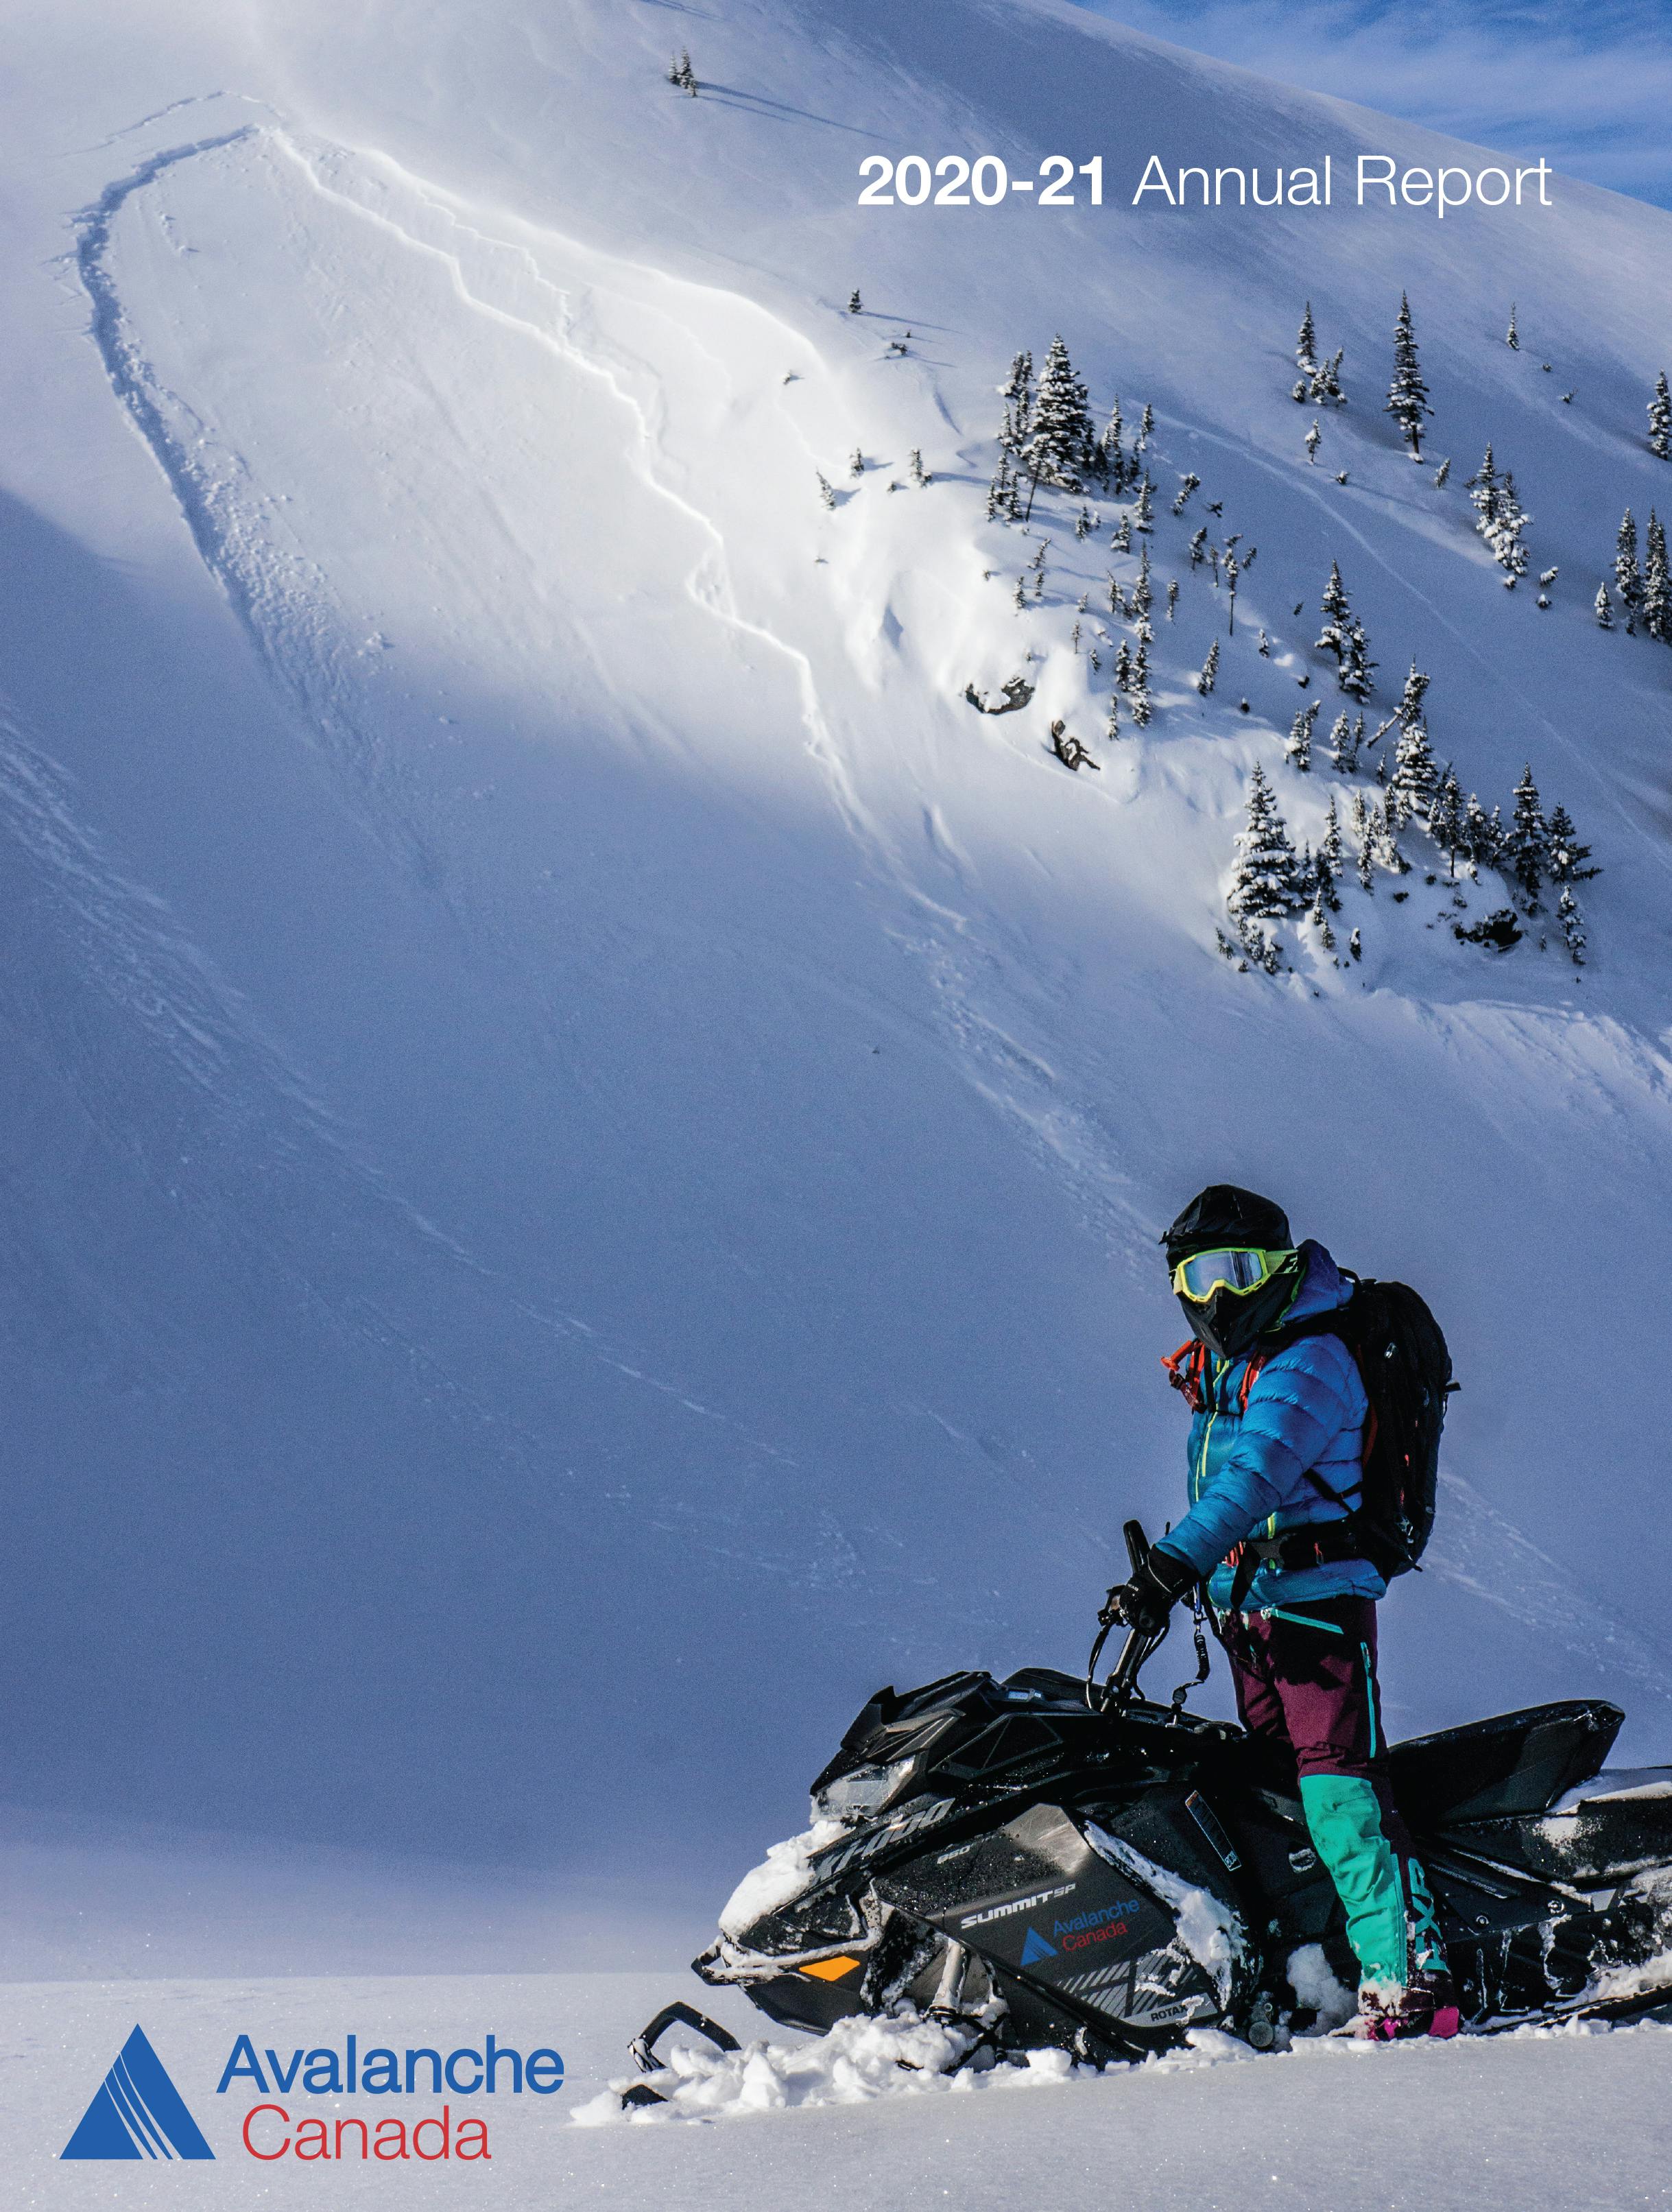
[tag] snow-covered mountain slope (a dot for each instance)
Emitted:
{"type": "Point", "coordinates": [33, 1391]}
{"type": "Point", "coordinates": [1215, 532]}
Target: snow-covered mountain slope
{"type": "Point", "coordinates": [587, 1138]}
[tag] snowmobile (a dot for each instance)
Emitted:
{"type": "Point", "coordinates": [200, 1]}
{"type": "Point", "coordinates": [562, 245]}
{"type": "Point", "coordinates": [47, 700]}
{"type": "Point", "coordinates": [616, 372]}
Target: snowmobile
{"type": "Point", "coordinates": [1049, 1860]}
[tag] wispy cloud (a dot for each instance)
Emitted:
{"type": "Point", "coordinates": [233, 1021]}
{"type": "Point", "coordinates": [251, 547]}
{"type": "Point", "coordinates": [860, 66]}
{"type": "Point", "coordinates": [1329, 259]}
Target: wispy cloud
{"type": "Point", "coordinates": [1589, 88]}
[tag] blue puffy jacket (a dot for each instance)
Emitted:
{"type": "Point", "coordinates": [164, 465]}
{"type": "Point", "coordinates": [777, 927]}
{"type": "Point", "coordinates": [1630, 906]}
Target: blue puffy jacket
{"type": "Point", "coordinates": [1305, 1409]}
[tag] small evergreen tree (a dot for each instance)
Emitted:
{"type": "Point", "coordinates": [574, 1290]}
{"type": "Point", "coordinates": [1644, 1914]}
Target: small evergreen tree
{"type": "Point", "coordinates": [1210, 670]}
{"type": "Point", "coordinates": [1528, 849]}
{"type": "Point", "coordinates": [1172, 597]}
{"type": "Point", "coordinates": [1297, 746]}
{"type": "Point", "coordinates": [1314, 439]}
{"type": "Point", "coordinates": [1416, 772]}
{"type": "Point", "coordinates": [1059, 441]}
{"type": "Point", "coordinates": [1407, 395]}
{"type": "Point", "coordinates": [1355, 677]}
{"type": "Point", "coordinates": [1306, 344]}
{"type": "Point", "coordinates": [1343, 751]}
{"type": "Point", "coordinates": [682, 75]}
{"type": "Point", "coordinates": [856, 462]}
{"type": "Point", "coordinates": [1016, 392]}
{"type": "Point", "coordinates": [1111, 457]}
{"type": "Point", "coordinates": [1143, 519]}
{"type": "Point", "coordinates": [1567, 856]}
{"type": "Point", "coordinates": [920, 474]}
{"type": "Point", "coordinates": [853, 306]}
{"type": "Point", "coordinates": [1441, 473]}
{"type": "Point", "coordinates": [1627, 583]}
{"type": "Point", "coordinates": [1265, 882]}
{"type": "Point", "coordinates": [826, 491]}
{"type": "Point", "coordinates": [1572, 925]}
{"type": "Point", "coordinates": [1384, 839]}
{"type": "Point", "coordinates": [1604, 612]}
{"type": "Point", "coordinates": [1338, 616]}
{"type": "Point", "coordinates": [1138, 691]}
{"type": "Point", "coordinates": [1327, 866]}
{"type": "Point", "coordinates": [1660, 420]}
{"type": "Point", "coordinates": [1657, 584]}
{"type": "Point", "coordinates": [1187, 485]}
{"type": "Point", "coordinates": [1445, 820]}
{"type": "Point", "coordinates": [1479, 842]}
{"type": "Point", "coordinates": [1364, 852]}
{"type": "Point", "coordinates": [1511, 339]}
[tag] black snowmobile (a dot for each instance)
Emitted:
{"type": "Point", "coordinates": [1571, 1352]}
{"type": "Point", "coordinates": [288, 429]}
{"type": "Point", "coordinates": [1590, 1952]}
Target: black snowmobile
{"type": "Point", "coordinates": [1047, 1861]}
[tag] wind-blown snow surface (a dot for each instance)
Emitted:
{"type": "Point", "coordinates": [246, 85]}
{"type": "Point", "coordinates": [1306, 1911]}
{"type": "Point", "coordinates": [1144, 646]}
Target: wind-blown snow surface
{"type": "Point", "coordinates": [586, 1139]}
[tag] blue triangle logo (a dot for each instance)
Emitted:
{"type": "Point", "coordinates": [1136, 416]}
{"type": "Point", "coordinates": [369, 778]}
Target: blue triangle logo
{"type": "Point", "coordinates": [1036, 1946]}
{"type": "Point", "coordinates": [137, 2112]}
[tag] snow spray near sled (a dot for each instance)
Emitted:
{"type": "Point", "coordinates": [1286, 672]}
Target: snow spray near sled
{"type": "Point", "coordinates": [1047, 1862]}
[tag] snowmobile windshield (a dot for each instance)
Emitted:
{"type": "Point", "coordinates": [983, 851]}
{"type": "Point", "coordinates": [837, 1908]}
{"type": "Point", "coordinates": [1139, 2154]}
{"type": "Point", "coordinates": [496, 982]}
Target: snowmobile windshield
{"type": "Point", "coordinates": [1237, 1269]}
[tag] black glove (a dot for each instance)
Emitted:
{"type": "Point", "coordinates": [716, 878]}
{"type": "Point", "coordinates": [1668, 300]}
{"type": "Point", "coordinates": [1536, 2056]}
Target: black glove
{"type": "Point", "coordinates": [1144, 1601]}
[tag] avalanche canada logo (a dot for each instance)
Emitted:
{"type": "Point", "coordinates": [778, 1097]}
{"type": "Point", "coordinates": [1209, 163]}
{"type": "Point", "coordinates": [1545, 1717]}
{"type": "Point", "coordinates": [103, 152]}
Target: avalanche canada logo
{"type": "Point", "coordinates": [136, 2111]}
{"type": "Point", "coordinates": [1037, 1947]}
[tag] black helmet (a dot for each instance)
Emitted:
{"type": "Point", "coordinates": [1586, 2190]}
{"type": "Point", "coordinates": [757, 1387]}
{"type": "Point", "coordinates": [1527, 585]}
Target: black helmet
{"type": "Point", "coordinates": [1225, 1218]}
{"type": "Point", "coordinates": [1224, 1214]}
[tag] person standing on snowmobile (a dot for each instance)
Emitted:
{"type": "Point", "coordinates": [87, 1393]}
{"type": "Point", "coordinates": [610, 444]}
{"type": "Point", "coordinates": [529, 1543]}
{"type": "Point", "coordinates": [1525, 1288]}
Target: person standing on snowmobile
{"type": "Point", "coordinates": [1275, 1465]}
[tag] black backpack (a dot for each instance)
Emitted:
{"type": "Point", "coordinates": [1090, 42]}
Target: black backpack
{"type": "Point", "coordinates": [1406, 1371]}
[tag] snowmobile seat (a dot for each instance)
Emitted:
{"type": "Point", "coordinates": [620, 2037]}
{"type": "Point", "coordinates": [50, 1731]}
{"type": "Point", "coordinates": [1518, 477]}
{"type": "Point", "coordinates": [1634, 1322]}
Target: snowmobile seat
{"type": "Point", "coordinates": [1517, 1763]}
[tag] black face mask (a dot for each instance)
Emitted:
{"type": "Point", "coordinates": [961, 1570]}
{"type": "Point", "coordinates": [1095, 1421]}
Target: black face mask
{"type": "Point", "coordinates": [1229, 1321]}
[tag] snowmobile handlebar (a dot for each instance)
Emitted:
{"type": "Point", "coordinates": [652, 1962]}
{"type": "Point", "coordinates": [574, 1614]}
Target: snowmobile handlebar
{"type": "Point", "coordinates": [1138, 1648]}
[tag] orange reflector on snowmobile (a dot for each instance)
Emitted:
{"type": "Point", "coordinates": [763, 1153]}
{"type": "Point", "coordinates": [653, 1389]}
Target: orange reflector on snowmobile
{"type": "Point", "coordinates": [831, 1970]}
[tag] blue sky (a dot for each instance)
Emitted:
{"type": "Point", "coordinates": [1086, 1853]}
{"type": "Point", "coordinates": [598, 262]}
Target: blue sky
{"type": "Point", "coordinates": [1586, 82]}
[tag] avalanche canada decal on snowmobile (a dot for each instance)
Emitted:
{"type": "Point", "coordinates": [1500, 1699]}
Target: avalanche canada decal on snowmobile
{"type": "Point", "coordinates": [1044, 1862]}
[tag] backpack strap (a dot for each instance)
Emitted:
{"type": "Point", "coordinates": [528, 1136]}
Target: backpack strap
{"type": "Point", "coordinates": [1187, 1371]}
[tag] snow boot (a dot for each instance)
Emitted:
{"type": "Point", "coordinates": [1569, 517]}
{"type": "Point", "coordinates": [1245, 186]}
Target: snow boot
{"type": "Point", "coordinates": [1388, 2013]}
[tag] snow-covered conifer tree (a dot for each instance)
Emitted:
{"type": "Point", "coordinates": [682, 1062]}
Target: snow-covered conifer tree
{"type": "Point", "coordinates": [1138, 690]}
{"type": "Point", "coordinates": [1143, 519]}
{"type": "Point", "coordinates": [1385, 838]}
{"type": "Point", "coordinates": [683, 78]}
{"type": "Point", "coordinates": [1306, 344]}
{"type": "Point", "coordinates": [1264, 648]}
{"type": "Point", "coordinates": [1364, 851]}
{"type": "Point", "coordinates": [998, 492]}
{"type": "Point", "coordinates": [1314, 439]}
{"type": "Point", "coordinates": [1018, 598]}
{"type": "Point", "coordinates": [1210, 669]}
{"type": "Point", "coordinates": [1111, 457]}
{"type": "Point", "coordinates": [1187, 485]}
{"type": "Point", "coordinates": [1528, 848]}
{"type": "Point", "coordinates": [1479, 842]}
{"type": "Point", "coordinates": [856, 462]}
{"type": "Point", "coordinates": [920, 474]}
{"type": "Point", "coordinates": [1123, 666]}
{"type": "Point", "coordinates": [1146, 423]}
{"type": "Point", "coordinates": [1445, 819]}
{"type": "Point", "coordinates": [1265, 882]}
{"type": "Point", "coordinates": [1604, 611]}
{"type": "Point", "coordinates": [1343, 753]}
{"type": "Point", "coordinates": [1627, 582]}
{"type": "Point", "coordinates": [1416, 772]}
{"type": "Point", "coordinates": [1656, 583]}
{"type": "Point", "coordinates": [1407, 395]}
{"type": "Point", "coordinates": [1059, 444]}
{"type": "Point", "coordinates": [1328, 863]}
{"type": "Point", "coordinates": [1199, 547]}
{"type": "Point", "coordinates": [1567, 855]}
{"type": "Point", "coordinates": [1112, 726]}
{"type": "Point", "coordinates": [1660, 420]}
{"type": "Point", "coordinates": [1511, 337]}
{"type": "Point", "coordinates": [1298, 745]}
{"type": "Point", "coordinates": [853, 306]}
{"type": "Point", "coordinates": [1338, 616]}
{"type": "Point", "coordinates": [1355, 677]}
{"type": "Point", "coordinates": [1571, 922]}
{"type": "Point", "coordinates": [1172, 597]}
{"type": "Point", "coordinates": [1441, 473]}
{"type": "Point", "coordinates": [826, 491]}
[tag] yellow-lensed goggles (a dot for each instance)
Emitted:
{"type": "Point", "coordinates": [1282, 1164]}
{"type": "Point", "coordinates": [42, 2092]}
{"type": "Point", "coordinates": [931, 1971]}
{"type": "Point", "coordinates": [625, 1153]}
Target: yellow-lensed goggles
{"type": "Point", "coordinates": [1237, 1268]}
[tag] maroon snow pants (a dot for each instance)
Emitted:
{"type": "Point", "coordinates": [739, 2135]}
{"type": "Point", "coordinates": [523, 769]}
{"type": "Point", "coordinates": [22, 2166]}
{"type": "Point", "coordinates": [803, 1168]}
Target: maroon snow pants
{"type": "Point", "coordinates": [1307, 1694]}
